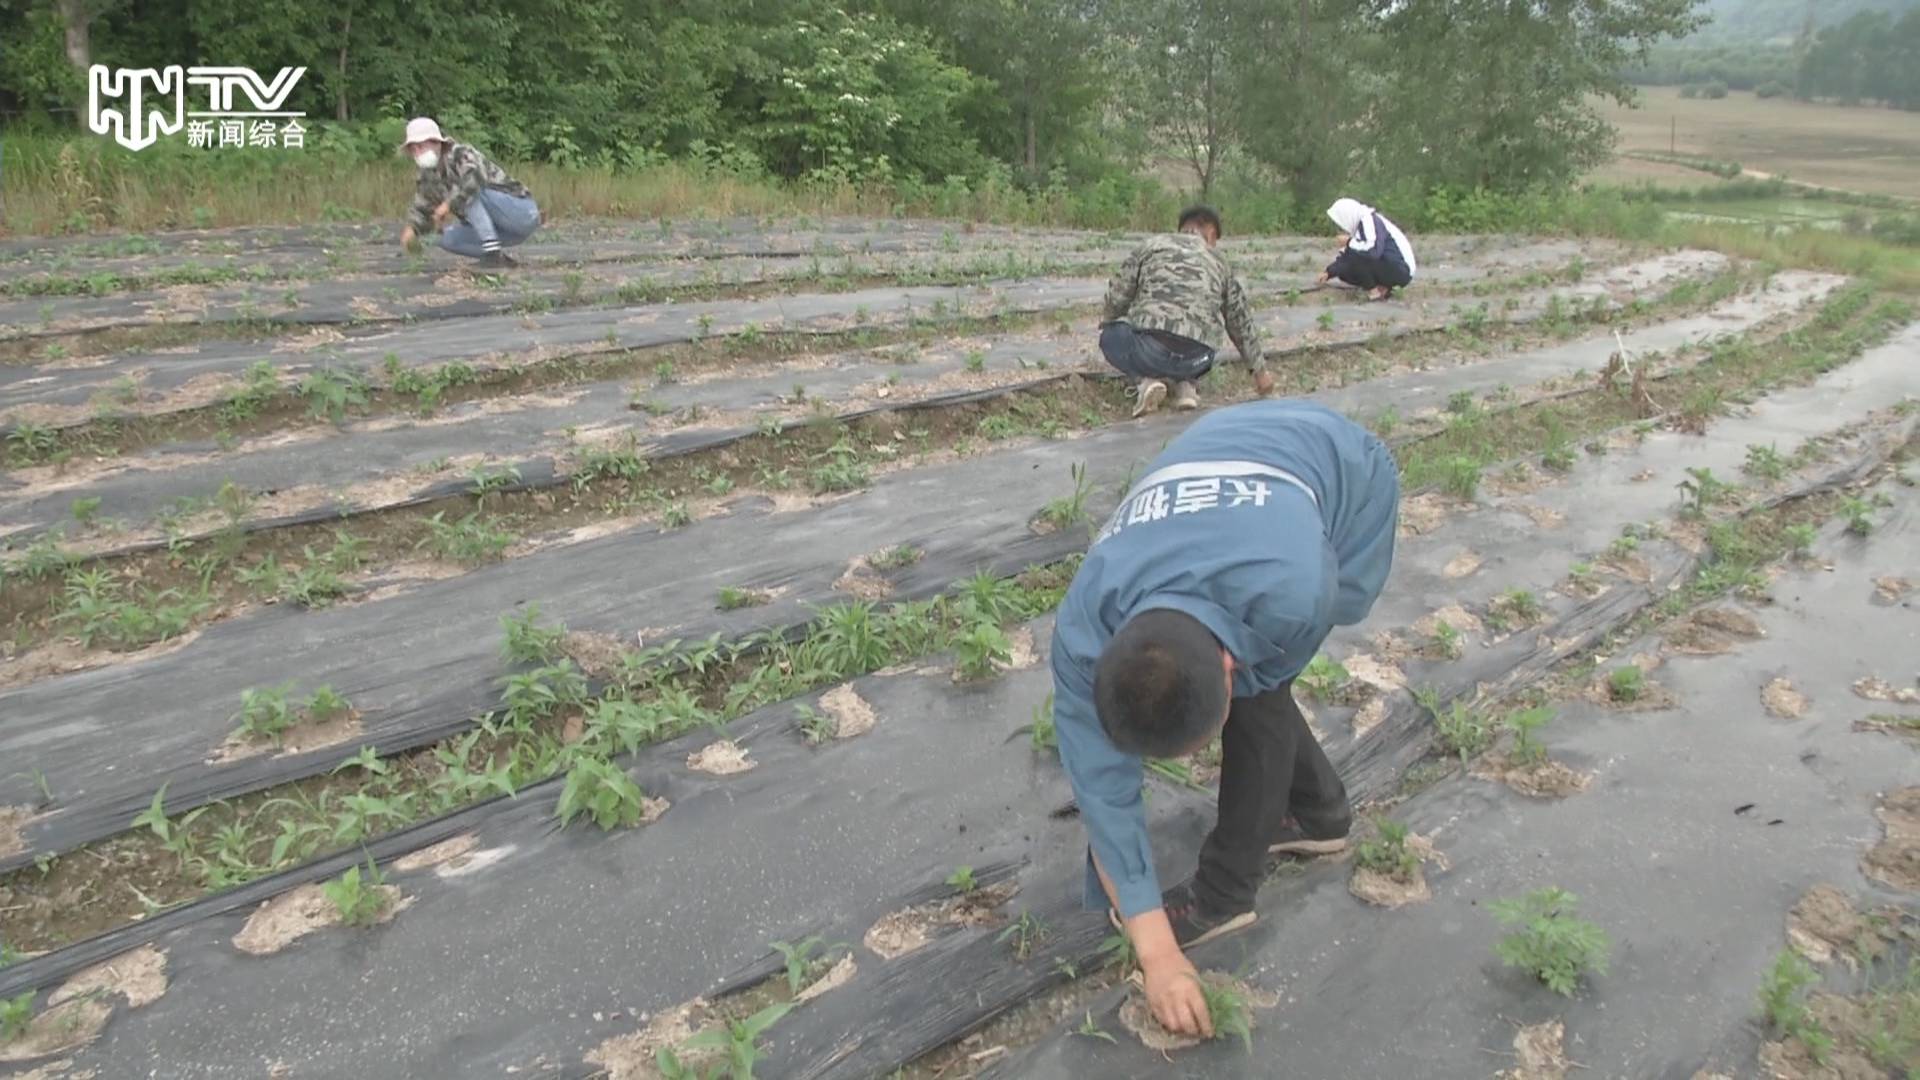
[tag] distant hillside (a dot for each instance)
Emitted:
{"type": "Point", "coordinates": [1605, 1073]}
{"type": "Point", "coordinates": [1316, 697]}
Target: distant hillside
{"type": "Point", "coordinates": [1751, 21]}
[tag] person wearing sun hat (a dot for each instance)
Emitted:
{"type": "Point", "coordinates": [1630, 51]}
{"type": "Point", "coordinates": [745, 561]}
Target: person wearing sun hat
{"type": "Point", "coordinates": [458, 190]}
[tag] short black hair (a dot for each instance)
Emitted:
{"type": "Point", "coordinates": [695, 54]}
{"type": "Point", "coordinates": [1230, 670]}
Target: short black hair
{"type": "Point", "coordinates": [1160, 689]}
{"type": "Point", "coordinates": [1204, 214]}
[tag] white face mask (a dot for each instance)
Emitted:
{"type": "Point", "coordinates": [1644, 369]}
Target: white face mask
{"type": "Point", "coordinates": [427, 159]}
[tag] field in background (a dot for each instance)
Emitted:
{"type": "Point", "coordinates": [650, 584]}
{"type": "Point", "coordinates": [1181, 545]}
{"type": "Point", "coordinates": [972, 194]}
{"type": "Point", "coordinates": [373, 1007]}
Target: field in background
{"type": "Point", "coordinates": [1858, 149]}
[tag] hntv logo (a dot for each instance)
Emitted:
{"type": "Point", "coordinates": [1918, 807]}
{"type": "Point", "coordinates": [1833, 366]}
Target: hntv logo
{"type": "Point", "coordinates": [152, 102]}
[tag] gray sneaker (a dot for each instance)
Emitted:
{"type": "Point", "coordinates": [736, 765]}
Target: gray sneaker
{"type": "Point", "coordinates": [1149, 393]}
{"type": "Point", "coordinates": [1296, 839]}
{"type": "Point", "coordinates": [1186, 397]}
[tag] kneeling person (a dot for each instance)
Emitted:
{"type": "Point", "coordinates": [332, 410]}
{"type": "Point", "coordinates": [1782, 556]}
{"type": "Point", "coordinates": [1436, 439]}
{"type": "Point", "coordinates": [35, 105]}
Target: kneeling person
{"type": "Point", "coordinates": [1164, 311]}
{"type": "Point", "coordinates": [1259, 529]}
{"type": "Point", "coordinates": [458, 183]}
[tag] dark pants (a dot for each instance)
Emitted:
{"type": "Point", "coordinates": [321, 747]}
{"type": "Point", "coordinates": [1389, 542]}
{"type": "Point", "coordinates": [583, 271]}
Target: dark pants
{"type": "Point", "coordinates": [1368, 273]}
{"type": "Point", "coordinates": [1271, 767]}
{"type": "Point", "coordinates": [1149, 354]}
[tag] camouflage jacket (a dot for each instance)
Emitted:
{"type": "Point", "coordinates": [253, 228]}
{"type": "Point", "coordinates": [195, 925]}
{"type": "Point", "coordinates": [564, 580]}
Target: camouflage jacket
{"type": "Point", "coordinates": [1179, 285]}
{"type": "Point", "coordinates": [459, 176]}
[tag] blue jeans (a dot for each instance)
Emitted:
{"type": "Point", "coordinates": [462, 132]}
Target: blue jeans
{"type": "Point", "coordinates": [1145, 354]}
{"type": "Point", "coordinates": [492, 220]}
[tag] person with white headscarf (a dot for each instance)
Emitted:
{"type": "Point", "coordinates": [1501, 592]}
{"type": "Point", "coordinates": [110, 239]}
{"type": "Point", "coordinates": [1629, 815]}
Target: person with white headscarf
{"type": "Point", "coordinates": [1374, 253]}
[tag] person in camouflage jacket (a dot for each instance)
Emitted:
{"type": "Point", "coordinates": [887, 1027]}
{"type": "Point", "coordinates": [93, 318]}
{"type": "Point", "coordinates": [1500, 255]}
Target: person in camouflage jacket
{"type": "Point", "coordinates": [1166, 309]}
{"type": "Point", "coordinates": [458, 183]}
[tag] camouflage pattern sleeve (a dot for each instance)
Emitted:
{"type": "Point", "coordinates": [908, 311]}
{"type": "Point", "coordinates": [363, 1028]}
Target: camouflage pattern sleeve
{"type": "Point", "coordinates": [1124, 285]}
{"type": "Point", "coordinates": [420, 214]}
{"type": "Point", "coordinates": [466, 177]}
{"type": "Point", "coordinates": [1240, 327]}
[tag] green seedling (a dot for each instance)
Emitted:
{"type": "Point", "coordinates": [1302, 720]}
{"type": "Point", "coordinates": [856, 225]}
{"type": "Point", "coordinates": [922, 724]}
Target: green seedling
{"type": "Point", "coordinates": [1623, 546]}
{"type": "Point", "coordinates": [325, 704]}
{"type": "Point", "coordinates": [1323, 676]}
{"type": "Point", "coordinates": [314, 585]}
{"type": "Point", "coordinates": [976, 360]}
{"type": "Point", "coordinates": [1550, 942]}
{"type": "Point", "coordinates": [368, 760]}
{"type": "Point", "coordinates": [1388, 419]}
{"type": "Point", "coordinates": [1069, 510]}
{"type": "Point", "coordinates": [359, 898]}
{"type": "Point", "coordinates": [1228, 1008]}
{"type": "Point", "coordinates": [1513, 609]}
{"type": "Point", "coordinates": [485, 481]}
{"type": "Point", "coordinates": [840, 469]}
{"type": "Point", "coordinates": [1800, 537]}
{"type": "Point", "coordinates": [1386, 852]}
{"type": "Point", "coordinates": [529, 642]}
{"type": "Point", "coordinates": [800, 961]}
{"type": "Point", "coordinates": [1581, 574]}
{"type": "Point", "coordinates": [16, 1014]}
{"type": "Point", "coordinates": [1781, 1002]}
{"type": "Point", "coordinates": [1527, 749]}
{"type": "Point", "coordinates": [1118, 949]}
{"type": "Point", "coordinates": [1043, 735]}
{"type": "Point", "coordinates": [1765, 462]}
{"type": "Point", "coordinates": [981, 650]}
{"type": "Point", "coordinates": [1627, 683]}
{"type": "Point", "coordinates": [1025, 933]}
{"type": "Point", "coordinates": [1325, 320]}
{"type": "Point", "coordinates": [733, 599]}
{"type": "Point", "coordinates": [1859, 514]}
{"type": "Point", "coordinates": [815, 726]}
{"type": "Point", "coordinates": [472, 539]}
{"type": "Point", "coordinates": [1093, 1030]}
{"type": "Point", "coordinates": [603, 792]}
{"type": "Point", "coordinates": [1464, 731]}
{"type": "Point", "coordinates": [329, 394]}
{"type": "Point", "coordinates": [1447, 641]}
{"type": "Point", "coordinates": [265, 712]}
{"type": "Point", "coordinates": [675, 515]}
{"type": "Point", "coordinates": [740, 1039]}
{"type": "Point", "coordinates": [85, 510]}
{"type": "Point", "coordinates": [1700, 490]}
{"type": "Point", "coordinates": [962, 880]}
{"type": "Point", "coordinates": [895, 558]}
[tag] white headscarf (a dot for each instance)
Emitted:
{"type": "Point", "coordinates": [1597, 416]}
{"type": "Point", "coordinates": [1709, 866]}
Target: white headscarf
{"type": "Point", "coordinates": [1354, 218]}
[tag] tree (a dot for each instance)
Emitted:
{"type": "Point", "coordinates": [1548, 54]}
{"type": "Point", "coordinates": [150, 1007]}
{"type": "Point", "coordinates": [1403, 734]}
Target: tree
{"type": "Point", "coordinates": [1496, 94]}
{"type": "Point", "coordinates": [1306, 87]}
{"type": "Point", "coordinates": [1182, 87]}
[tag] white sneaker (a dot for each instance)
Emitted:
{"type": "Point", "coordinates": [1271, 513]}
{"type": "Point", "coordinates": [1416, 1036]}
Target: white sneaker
{"type": "Point", "coordinates": [1186, 397]}
{"type": "Point", "coordinates": [1148, 394]}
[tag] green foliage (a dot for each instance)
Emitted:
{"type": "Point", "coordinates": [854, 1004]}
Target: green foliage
{"type": "Point", "coordinates": [839, 469]}
{"type": "Point", "coordinates": [1386, 851]}
{"type": "Point", "coordinates": [962, 879]}
{"type": "Point", "coordinates": [1042, 733]}
{"type": "Point", "coordinates": [740, 1039]}
{"type": "Point", "coordinates": [472, 539]}
{"type": "Point", "coordinates": [528, 641]}
{"type": "Point", "coordinates": [1765, 462]}
{"type": "Point", "coordinates": [895, 558]}
{"type": "Point", "coordinates": [1513, 609]}
{"type": "Point", "coordinates": [16, 1013]}
{"type": "Point", "coordinates": [1447, 641]}
{"type": "Point", "coordinates": [1627, 683]}
{"type": "Point", "coordinates": [602, 791]}
{"type": "Point", "coordinates": [1464, 731]}
{"type": "Point", "coordinates": [799, 960]}
{"type": "Point", "coordinates": [359, 898]}
{"type": "Point", "coordinates": [1700, 490]}
{"type": "Point", "coordinates": [265, 712]}
{"type": "Point", "coordinates": [1323, 675]}
{"type": "Point", "coordinates": [1227, 1005]}
{"type": "Point", "coordinates": [1782, 1001]}
{"type": "Point", "coordinates": [1069, 510]}
{"type": "Point", "coordinates": [1024, 932]}
{"type": "Point", "coordinates": [1527, 749]}
{"type": "Point", "coordinates": [1859, 515]}
{"type": "Point", "coordinates": [329, 394]}
{"type": "Point", "coordinates": [1549, 941]}
{"type": "Point", "coordinates": [815, 726]}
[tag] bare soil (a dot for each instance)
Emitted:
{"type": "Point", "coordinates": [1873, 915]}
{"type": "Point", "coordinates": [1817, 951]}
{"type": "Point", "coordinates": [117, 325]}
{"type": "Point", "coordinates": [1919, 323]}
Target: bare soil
{"type": "Point", "coordinates": [1895, 860]}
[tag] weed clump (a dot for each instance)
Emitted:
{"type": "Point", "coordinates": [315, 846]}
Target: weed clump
{"type": "Point", "coordinates": [1387, 852]}
{"type": "Point", "coordinates": [1550, 942]}
{"type": "Point", "coordinates": [1627, 683]}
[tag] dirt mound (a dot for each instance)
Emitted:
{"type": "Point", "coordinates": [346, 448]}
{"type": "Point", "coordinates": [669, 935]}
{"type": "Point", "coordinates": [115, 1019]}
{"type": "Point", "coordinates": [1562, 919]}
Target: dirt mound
{"type": "Point", "coordinates": [723, 758]}
{"type": "Point", "coordinates": [13, 820]}
{"type": "Point", "coordinates": [850, 712]}
{"type": "Point", "coordinates": [1782, 700]}
{"type": "Point", "coordinates": [1138, 1018]}
{"type": "Point", "coordinates": [863, 582]}
{"type": "Point", "coordinates": [1388, 891]}
{"type": "Point", "coordinates": [1539, 1053]}
{"type": "Point", "coordinates": [138, 975]}
{"type": "Point", "coordinates": [1713, 631]}
{"type": "Point", "coordinates": [903, 931]}
{"type": "Point", "coordinates": [1895, 860]}
{"type": "Point", "coordinates": [1461, 565]}
{"type": "Point", "coordinates": [1547, 779]}
{"type": "Point", "coordinates": [1881, 690]}
{"type": "Point", "coordinates": [1890, 590]}
{"type": "Point", "coordinates": [293, 915]}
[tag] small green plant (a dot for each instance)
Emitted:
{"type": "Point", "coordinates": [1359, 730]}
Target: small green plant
{"type": "Point", "coordinates": [1093, 1030]}
{"type": "Point", "coordinates": [976, 360]}
{"type": "Point", "coordinates": [1323, 676]}
{"type": "Point", "coordinates": [1386, 852]}
{"type": "Point", "coordinates": [1765, 462]}
{"type": "Point", "coordinates": [962, 879]}
{"type": "Point", "coordinates": [359, 898]}
{"type": "Point", "coordinates": [815, 726]}
{"type": "Point", "coordinates": [839, 469]}
{"type": "Point", "coordinates": [740, 1039]}
{"type": "Point", "coordinates": [1527, 749]}
{"type": "Point", "coordinates": [325, 704]}
{"type": "Point", "coordinates": [85, 510]}
{"type": "Point", "coordinates": [1513, 609]}
{"type": "Point", "coordinates": [800, 962]}
{"type": "Point", "coordinates": [1780, 992]}
{"type": "Point", "coordinates": [1068, 510]}
{"type": "Point", "coordinates": [733, 599]}
{"type": "Point", "coordinates": [1042, 733]}
{"type": "Point", "coordinates": [16, 1013]}
{"type": "Point", "coordinates": [602, 791]}
{"type": "Point", "coordinates": [1325, 320]}
{"type": "Point", "coordinates": [472, 539]}
{"type": "Point", "coordinates": [265, 712]}
{"type": "Point", "coordinates": [1464, 731]}
{"type": "Point", "coordinates": [1627, 683]}
{"type": "Point", "coordinates": [1447, 641]}
{"type": "Point", "coordinates": [675, 515]}
{"type": "Point", "coordinates": [981, 649]}
{"type": "Point", "coordinates": [1700, 490]}
{"type": "Point", "coordinates": [1581, 574]}
{"type": "Point", "coordinates": [528, 641]}
{"type": "Point", "coordinates": [329, 394]}
{"type": "Point", "coordinates": [1623, 546]}
{"type": "Point", "coordinates": [1550, 942]}
{"type": "Point", "coordinates": [895, 558]}
{"type": "Point", "coordinates": [1800, 537]}
{"type": "Point", "coordinates": [1227, 1005]}
{"type": "Point", "coordinates": [1388, 419]}
{"type": "Point", "coordinates": [1119, 951]}
{"type": "Point", "coordinates": [1025, 933]}
{"type": "Point", "coordinates": [1859, 514]}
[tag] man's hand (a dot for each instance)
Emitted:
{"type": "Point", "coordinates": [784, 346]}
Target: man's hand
{"type": "Point", "coordinates": [409, 240]}
{"type": "Point", "coordinates": [1263, 382]}
{"type": "Point", "coordinates": [1173, 993]}
{"type": "Point", "coordinates": [440, 215]}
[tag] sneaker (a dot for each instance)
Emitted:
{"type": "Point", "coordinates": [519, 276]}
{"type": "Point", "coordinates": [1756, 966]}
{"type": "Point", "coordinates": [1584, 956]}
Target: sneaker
{"type": "Point", "coordinates": [498, 260]}
{"type": "Point", "coordinates": [1149, 394]}
{"type": "Point", "coordinates": [1296, 839]}
{"type": "Point", "coordinates": [1192, 925]}
{"type": "Point", "coordinates": [1186, 397]}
